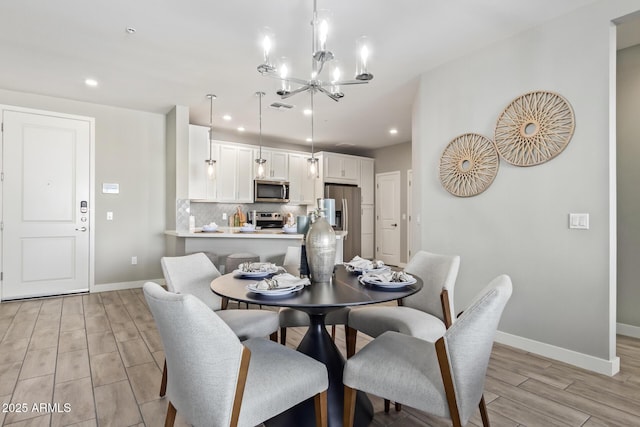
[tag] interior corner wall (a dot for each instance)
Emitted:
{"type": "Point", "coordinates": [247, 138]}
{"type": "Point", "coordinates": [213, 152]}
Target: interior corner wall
{"type": "Point", "coordinates": [519, 225]}
{"type": "Point", "coordinates": [628, 152]}
{"type": "Point", "coordinates": [397, 158]}
{"type": "Point", "coordinates": [130, 151]}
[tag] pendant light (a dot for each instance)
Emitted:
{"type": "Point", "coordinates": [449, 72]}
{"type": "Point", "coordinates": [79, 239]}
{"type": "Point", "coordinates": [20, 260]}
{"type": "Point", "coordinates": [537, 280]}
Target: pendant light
{"type": "Point", "coordinates": [260, 161]}
{"type": "Point", "coordinates": [312, 163]}
{"type": "Point", "coordinates": [210, 162]}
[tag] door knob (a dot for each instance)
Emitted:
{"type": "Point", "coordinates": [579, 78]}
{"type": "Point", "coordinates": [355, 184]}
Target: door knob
{"type": "Point", "coordinates": [394, 225]}
{"type": "Point", "coordinates": [81, 229]}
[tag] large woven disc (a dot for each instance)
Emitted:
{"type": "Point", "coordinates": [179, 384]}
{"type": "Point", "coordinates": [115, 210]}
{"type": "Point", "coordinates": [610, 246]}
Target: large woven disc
{"type": "Point", "coordinates": [468, 165]}
{"type": "Point", "coordinates": [534, 128]}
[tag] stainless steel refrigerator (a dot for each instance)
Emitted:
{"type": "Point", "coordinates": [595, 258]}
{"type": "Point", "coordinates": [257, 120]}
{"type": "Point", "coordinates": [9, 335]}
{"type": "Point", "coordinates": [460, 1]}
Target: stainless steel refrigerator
{"type": "Point", "coordinates": [348, 216]}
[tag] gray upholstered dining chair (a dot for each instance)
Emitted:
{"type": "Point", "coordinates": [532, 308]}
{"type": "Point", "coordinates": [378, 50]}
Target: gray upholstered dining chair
{"type": "Point", "coordinates": [192, 274]}
{"type": "Point", "coordinates": [445, 378]}
{"type": "Point", "coordinates": [425, 314]}
{"type": "Point", "coordinates": [290, 318]}
{"type": "Point", "coordinates": [215, 379]}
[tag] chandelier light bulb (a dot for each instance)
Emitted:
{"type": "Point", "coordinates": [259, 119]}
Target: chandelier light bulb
{"type": "Point", "coordinates": [323, 33]}
{"type": "Point", "coordinates": [336, 74]}
{"type": "Point", "coordinates": [364, 55]}
{"type": "Point", "coordinates": [266, 48]}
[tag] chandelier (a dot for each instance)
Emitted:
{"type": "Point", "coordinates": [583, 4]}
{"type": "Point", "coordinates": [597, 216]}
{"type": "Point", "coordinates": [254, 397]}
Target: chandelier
{"type": "Point", "coordinates": [320, 24]}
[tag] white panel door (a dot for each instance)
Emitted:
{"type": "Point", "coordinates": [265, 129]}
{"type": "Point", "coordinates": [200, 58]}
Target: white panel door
{"type": "Point", "coordinates": [388, 217]}
{"type": "Point", "coordinates": [366, 233]}
{"type": "Point", "coordinates": [45, 245]}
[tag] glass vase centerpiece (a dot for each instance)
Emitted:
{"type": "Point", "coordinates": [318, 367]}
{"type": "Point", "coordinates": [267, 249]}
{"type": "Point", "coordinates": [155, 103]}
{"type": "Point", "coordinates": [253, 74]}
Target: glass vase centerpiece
{"type": "Point", "coordinates": [321, 247]}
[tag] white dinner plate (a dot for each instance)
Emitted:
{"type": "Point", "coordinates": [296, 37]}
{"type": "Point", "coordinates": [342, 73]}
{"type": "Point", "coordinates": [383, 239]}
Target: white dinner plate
{"type": "Point", "coordinates": [390, 285]}
{"type": "Point", "coordinates": [273, 292]}
{"type": "Point", "coordinates": [293, 230]}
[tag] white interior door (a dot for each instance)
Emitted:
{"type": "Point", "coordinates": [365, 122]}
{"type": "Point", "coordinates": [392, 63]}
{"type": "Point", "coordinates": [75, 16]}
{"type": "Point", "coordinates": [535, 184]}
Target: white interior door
{"type": "Point", "coordinates": [388, 217]}
{"type": "Point", "coordinates": [46, 239]}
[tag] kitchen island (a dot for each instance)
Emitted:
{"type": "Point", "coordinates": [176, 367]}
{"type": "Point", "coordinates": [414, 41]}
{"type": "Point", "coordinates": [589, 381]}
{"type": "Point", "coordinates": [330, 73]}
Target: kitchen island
{"type": "Point", "coordinates": [270, 244]}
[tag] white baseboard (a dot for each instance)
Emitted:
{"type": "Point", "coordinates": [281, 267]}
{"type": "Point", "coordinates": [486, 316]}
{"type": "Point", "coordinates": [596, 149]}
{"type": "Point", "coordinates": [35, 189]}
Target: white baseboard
{"type": "Point", "coordinates": [628, 330]}
{"type": "Point", "coordinates": [118, 286]}
{"type": "Point", "coordinates": [591, 363]}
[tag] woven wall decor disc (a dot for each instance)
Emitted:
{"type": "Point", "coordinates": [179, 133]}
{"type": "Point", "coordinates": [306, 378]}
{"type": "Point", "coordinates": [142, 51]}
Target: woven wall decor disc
{"type": "Point", "coordinates": [534, 128]}
{"type": "Point", "coordinates": [468, 165]}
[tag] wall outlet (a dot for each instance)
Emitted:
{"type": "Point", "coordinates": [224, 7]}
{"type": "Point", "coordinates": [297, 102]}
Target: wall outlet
{"type": "Point", "coordinates": [109, 216]}
{"type": "Point", "coordinates": [224, 216]}
{"type": "Point", "coordinates": [134, 260]}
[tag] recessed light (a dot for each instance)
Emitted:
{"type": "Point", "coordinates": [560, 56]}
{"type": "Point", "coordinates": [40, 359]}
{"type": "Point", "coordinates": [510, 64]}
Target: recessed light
{"type": "Point", "coordinates": [241, 129]}
{"type": "Point", "coordinates": [226, 117]}
{"type": "Point", "coordinates": [393, 131]}
{"type": "Point", "coordinates": [130, 30]}
{"type": "Point", "coordinates": [307, 112]}
{"type": "Point", "coordinates": [91, 82]}
{"type": "Point", "coordinates": [309, 139]}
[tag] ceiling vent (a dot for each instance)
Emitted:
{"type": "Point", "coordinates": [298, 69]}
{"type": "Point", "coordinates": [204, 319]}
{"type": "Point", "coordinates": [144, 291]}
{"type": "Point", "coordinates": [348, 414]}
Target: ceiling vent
{"type": "Point", "coordinates": [281, 106]}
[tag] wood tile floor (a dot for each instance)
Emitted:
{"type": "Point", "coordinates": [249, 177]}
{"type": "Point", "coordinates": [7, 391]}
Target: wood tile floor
{"type": "Point", "coordinates": [101, 355]}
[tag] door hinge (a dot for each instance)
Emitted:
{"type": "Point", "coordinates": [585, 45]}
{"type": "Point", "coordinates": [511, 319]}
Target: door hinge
{"type": "Point", "coordinates": [2, 127]}
{"type": "Point", "coordinates": [1, 275]}
{"type": "Point", "coordinates": [1, 176]}
{"type": "Point", "coordinates": [1, 225]}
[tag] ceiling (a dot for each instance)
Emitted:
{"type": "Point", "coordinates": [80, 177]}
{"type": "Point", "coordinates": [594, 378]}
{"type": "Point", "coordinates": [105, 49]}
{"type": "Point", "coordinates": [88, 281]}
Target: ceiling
{"type": "Point", "coordinates": [183, 50]}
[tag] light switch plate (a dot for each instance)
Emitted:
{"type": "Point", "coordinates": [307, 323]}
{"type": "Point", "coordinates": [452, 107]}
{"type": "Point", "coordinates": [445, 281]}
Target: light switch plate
{"type": "Point", "coordinates": [579, 221]}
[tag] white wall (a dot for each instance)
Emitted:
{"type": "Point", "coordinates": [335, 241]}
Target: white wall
{"type": "Point", "coordinates": [628, 178]}
{"type": "Point", "coordinates": [562, 289]}
{"type": "Point", "coordinates": [130, 151]}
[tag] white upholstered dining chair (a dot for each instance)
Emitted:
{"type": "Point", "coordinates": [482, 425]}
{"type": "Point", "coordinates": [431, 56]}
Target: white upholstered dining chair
{"type": "Point", "coordinates": [425, 314]}
{"type": "Point", "coordinates": [192, 274]}
{"type": "Point", "coordinates": [445, 378]}
{"type": "Point", "coordinates": [214, 379]}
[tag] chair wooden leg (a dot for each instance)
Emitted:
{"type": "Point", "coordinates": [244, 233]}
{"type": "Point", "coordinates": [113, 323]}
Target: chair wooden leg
{"type": "Point", "coordinates": [483, 413]}
{"type": "Point", "coordinates": [387, 404]}
{"type": "Point", "coordinates": [283, 336]}
{"type": "Point", "coordinates": [349, 406]}
{"type": "Point", "coordinates": [163, 383]}
{"type": "Point", "coordinates": [320, 404]}
{"type": "Point", "coordinates": [398, 406]}
{"type": "Point", "coordinates": [274, 337]}
{"type": "Point", "coordinates": [352, 335]}
{"type": "Point", "coordinates": [171, 416]}
{"type": "Point", "coordinates": [333, 332]}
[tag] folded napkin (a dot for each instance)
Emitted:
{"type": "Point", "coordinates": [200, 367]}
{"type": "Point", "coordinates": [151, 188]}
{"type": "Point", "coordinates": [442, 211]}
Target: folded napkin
{"type": "Point", "coordinates": [254, 267]}
{"type": "Point", "coordinates": [388, 277]}
{"type": "Point", "coordinates": [281, 281]}
{"type": "Point", "coordinates": [358, 263]}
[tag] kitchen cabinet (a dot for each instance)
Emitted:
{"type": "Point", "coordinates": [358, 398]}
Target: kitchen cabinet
{"type": "Point", "coordinates": [201, 186]}
{"type": "Point", "coordinates": [301, 186]}
{"type": "Point", "coordinates": [367, 181]}
{"type": "Point", "coordinates": [366, 233]}
{"type": "Point", "coordinates": [341, 168]}
{"type": "Point", "coordinates": [234, 174]}
{"type": "Point", "coordinates": [276, 166]}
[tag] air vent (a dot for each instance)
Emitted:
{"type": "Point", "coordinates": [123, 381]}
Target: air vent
{"type": "Point", "coordinates": [280, 106]}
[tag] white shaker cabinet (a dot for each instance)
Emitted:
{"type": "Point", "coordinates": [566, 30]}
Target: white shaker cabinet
{"type": "Point", "coordinates": [234, 174]}
{"type": "Point", "coordinates": [301, 186]}
{"type": "Point", "coordinates": [341, 168]}
{"type": "Point", "coordinates": [367, 181]}
{"type": "Point", "coordinates": [276, 165]}
{"type": "Point", "coordinates": [201, 185]}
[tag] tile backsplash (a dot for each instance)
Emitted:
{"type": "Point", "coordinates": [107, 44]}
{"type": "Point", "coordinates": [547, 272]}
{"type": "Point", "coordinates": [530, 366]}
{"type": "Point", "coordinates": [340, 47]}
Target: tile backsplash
{"type": "Point", "coordinates": [205, 212]}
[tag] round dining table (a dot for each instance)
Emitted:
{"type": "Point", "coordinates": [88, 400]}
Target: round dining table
{"type": "Point", "coordinates": [318, 299]}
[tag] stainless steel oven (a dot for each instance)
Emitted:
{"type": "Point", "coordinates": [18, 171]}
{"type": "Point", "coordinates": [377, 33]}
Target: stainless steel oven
{"type": "Point", "coordinates": [271, 191]}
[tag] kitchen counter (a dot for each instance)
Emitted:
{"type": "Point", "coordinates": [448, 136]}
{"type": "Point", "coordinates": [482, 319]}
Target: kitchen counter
{"type": "Point", "coordinates": [269, 244]}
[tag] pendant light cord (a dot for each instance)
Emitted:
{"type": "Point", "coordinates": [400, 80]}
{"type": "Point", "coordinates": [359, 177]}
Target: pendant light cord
{"type": "Point", "coordinates": [312, 137]}
{"type": "Point", "coordinates": [210, 125]}
{"type": "Point", "coordinates": [260, 115]}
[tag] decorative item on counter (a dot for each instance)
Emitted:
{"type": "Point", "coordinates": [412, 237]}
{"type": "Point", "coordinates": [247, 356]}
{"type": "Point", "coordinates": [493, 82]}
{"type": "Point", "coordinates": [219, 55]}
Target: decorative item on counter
{"type": "Point", "coordinates": [302, 224]}
{"type": "Point", "coordinates": [321, 247]}
{"type": "Point", "coordinates": [254, 221]}
{"type": "Point", "coordinates": [192, 223]}
{"type": "Point", "coordinates": [212, 226]}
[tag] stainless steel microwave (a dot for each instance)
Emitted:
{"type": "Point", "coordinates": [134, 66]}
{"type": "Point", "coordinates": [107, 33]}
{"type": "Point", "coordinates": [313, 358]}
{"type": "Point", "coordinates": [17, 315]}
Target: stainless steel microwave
{"type": "Point", "coordinates": [271, 191]}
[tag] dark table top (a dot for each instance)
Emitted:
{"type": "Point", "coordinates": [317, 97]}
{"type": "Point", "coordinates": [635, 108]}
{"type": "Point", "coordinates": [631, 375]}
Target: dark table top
{"type": "Point", "coordinates": [345, 291]}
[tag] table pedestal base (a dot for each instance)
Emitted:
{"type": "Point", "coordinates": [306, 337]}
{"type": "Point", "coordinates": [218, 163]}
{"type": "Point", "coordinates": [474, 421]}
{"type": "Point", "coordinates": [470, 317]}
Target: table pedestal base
{"type": "Point", "coordinates": [317, 343]}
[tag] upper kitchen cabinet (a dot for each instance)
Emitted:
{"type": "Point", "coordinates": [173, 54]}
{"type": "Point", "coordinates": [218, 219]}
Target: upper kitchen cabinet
{"type": "Point", "coordinates": [234, 174]}
{"type": "Point", "coordinates": [341, 168]}
{"type": "Point", "coordinates": [276, 166]}
{"type": "Point", "coordinates": [301, 186]}
{"type": "Point", "coordinates": [367, 180]}
{"type": "Point", "coordinates": [201, 185]}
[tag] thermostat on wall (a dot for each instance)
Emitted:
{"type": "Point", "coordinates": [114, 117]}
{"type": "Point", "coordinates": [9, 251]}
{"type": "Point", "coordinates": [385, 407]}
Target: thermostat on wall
{"type": "Point", "coordinates": [110, 188]}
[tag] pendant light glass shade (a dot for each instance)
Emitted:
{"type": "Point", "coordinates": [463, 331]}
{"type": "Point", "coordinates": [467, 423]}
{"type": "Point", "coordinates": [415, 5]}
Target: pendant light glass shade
{"type": "Point", "coordinates": [210, 163]}
{"type": "Point", "coordinates": [363, 52]}
{"type": "Point", "coordinates": [260, 170]}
